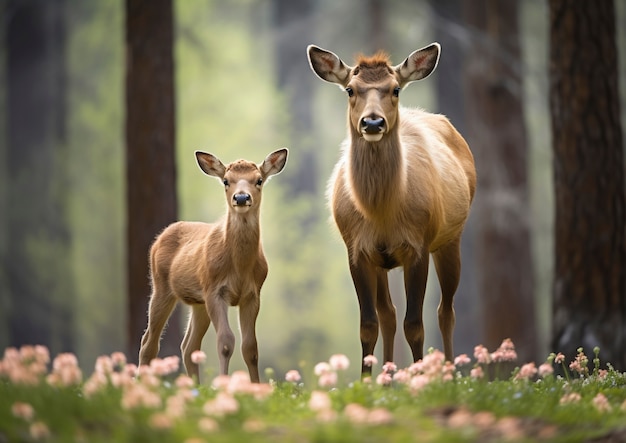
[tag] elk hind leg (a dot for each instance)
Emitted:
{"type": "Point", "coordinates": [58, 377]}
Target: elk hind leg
{"type": "Point", "coordinates": [162, 303]}
{"type": "Point", "coordinates": [197, 326]}
{"type": "Point", "coordinates": [448, 265]}
{"type": "Point", "coordinates": [415, 277]}
{"type": "Point", "coordinates": [386, 314]}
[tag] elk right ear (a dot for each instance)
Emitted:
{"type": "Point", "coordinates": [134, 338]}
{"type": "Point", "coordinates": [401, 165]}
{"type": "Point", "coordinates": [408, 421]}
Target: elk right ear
{"type": "Point", "coordinates": [210, 164]}
{"type": "Point", "coordinates": [274, 162]}
{"type": "Point", "coordinates": [328, 66]}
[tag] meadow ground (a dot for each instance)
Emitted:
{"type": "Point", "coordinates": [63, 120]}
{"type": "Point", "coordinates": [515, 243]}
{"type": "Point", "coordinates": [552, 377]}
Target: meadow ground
{"type": "Point", "coordinates": [484, 398]}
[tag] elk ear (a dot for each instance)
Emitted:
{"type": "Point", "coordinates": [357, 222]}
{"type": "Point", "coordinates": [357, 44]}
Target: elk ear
{"type": "Point", "coordinates": [328, 66]}
{"type": "Point", "coordinates": [210, 164]}
{"type": "Point", "coordinates": [420, 64]}
{"type": "Point", "coordinates": [274, 162]}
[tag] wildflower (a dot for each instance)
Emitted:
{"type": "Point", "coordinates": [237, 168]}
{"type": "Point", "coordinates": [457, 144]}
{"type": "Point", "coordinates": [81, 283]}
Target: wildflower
{"type": "Point", "coordinates": [65, 371]}
{"type": "Point", "coordinates": [460, 418]}
{"type": "Point", "coordinates": [222, 405]}
{"type": "Point", "coordinates": [601, 403]}
{"type": "Point", "coordinates": [319, 401]}
{"type": "Point", "coordinates": [369, 361]}
{"type": "Point", "coordinates": [238, 382]}
{"type": "Point", "coordinates": [23, 410]}
{"type": "Point", "coordinates": [461, 360]}
{"type": "Point", "coordinates": [572, 397]}
{"type": "Point", "coordinates": [161, 420]}
{"type": "Point", "coordinates": [545, 369]}
{"type": "Point", "coordinates": [418, 382]}
{"type": "Point", "coordinates": [138, 395]}
{"type": "Point", "coordinates": [118, 359]}
{"type": "Point", "coordinates": [510, 428]}
{"type": "Point", "coordinates": [384, 379]}
{"type": "Point", "coordinates": [184, 381]}
{"type": "Point", "coordinates": [293, 376]}
{"type": "Point", "coordinates": [390, 367]}
{"type": "Point", "coordinates": [39, 430]}
{"type": "Point", "coordinates": [481, 354]}
{"type": "Point", "coordinates": [221, 382]}
{"type": "Point", "coordinates": [448, 371]}
{"type": "Point", "coordinates": [379, 416]}
{"type": "Point", "coordinates": [94, 384]}
{"type": "Point", "coordinates": [527, 371]}
{"type": "Point", "coordinates": [506, 352]}
{"type": "Point", "coordinates": [355, 413]}
{"type": "Point", "coordinates": [321, 368]}
{"type": "Point", "coordinates": [198, 357]}
{"type": "Point", "coordinates": [206, 424]}
{"type": "Point", "coordinates": [580, 363]}
{"type": "Point", "coordinates": [104, 364]}
{"type": "Point", "coordinates": [477, 372]}
{"type": "Point", "coordinates": [339, 362]}
{"type": "Point", "coordinates": [560, 358]}
{"type": "Point", "coordinates": [402, 376]}
{"type": "Point", "coordinates": [327, 379]}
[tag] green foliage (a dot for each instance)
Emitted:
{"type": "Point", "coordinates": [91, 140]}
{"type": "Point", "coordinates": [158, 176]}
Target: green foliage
{"type": "Point", "coordinates": [120, 403]}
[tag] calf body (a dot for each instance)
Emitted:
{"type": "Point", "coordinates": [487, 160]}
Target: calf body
{"type": "Point", "coordinates": [213, 266]}
{"type": "Point", "coordinates": [401, 190]}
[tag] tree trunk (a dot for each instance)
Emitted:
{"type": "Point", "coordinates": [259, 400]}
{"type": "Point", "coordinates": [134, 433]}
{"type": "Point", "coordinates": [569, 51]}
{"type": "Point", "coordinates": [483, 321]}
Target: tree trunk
{"type": "Point", "coordinates": [36, 258]}
{"type": "Point", "coordinates": [589, 306]}
{"type": "Point", "coordinates": [150, 159]}
{"type": "Point", "coordinates": [497, 136]}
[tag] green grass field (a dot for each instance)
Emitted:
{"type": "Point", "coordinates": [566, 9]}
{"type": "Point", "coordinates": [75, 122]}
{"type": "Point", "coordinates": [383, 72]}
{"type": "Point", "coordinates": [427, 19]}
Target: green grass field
{"type": "Point", "coordinates": [486, 398]}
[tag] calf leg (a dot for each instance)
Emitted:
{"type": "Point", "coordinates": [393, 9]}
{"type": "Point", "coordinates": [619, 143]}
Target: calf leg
{"type": "Point", "coordinates": [162, 304]}
{"type": "Point", "coordinates": [386, 314]}
{"type": "Point", "coordinates": [364, 279]}
{"type": "Point", "coordinates": [415, 277]}
{"type": "Point", "coordinates": [448, 264]}
{"type": "Point", "coordinates": [218, 313]}
{"type": "Point", "coordinates": [197, 326]}
{"type": "Point", "coordinates": [248, 313]}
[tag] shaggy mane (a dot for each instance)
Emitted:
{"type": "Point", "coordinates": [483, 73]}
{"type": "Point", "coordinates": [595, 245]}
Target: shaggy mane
{"type": "Point", "coordinates": [381, 58]}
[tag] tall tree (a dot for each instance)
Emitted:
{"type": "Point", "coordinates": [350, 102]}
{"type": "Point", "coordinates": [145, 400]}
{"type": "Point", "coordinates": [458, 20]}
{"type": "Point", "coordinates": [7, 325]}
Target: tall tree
{"type": "Point", "coordinates": [497, 135]}
{"type": "Point", "coordinates": [150, 159]}
{"type": "Point", "coordinates": [589, 304]}
{"type": "Point", "coordinates": [36, 260]}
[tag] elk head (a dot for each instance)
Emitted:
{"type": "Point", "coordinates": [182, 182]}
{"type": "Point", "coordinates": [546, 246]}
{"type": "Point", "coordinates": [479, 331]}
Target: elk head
{"type": "Point", "coordinates": [373, 85]}
{"type": "Point", "coordinates": [243, 180]}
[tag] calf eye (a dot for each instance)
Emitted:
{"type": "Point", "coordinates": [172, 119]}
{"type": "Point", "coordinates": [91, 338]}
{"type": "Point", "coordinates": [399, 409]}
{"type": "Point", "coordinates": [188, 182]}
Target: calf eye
{"type": "Point", "coordinates": [225, 182]}
{"type": "Point", "coordinates": [350, 92]}
{"type": "Point", "coordinates": [259, 182]}
{"type": "Point", "coordinates": [396, 92]}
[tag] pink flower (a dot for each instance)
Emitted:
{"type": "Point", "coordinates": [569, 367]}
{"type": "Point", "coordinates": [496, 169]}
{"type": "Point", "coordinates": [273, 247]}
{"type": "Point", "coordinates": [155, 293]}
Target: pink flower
{"type": "Point", "coordinates": [390, 367]}
{"type": "Point", "coordinates": [39, 430]}
{"type": "Point", "coordinates": [118, 359]}
{"type": "Point", "coordinates": [572, 397]}
{"type": "Point", "coordinates": [461, 360]}
{"type": "Point", "coordinates": [327, 379]}
{"type": "Point", "coordinates": [223, 404]}
{"type": "Point", "coordinates": [319, 401]}
{"type": "Point", "coordinates": [293, 376]}
{"type": "Point", "coordinates": [355, 413]}
{"type": "Point", "coordinates": [339, 362]}
{"type": "Point", "coordinates": [23, 410]}
{"type": "Point", "coordinates": [384, 379]}
{"type": "Point", "coordinates": [477, 372]}
{"type": "Point", "coordinates": [321, 368]}
{"type": "Point", "coordinates": [601, 403]}
{"type": "Point", "coordinates": [506, 351]}
{"type": "Point", "coordinates": [402, 376]}
{"type": "Point", "coordinates": [560, 358]}
{"type": "Point", "coordinates": [481, 354]}
{"type": "Point", "coordinates": [198, 357]}
{"type": "Point", "coordinates": [104, 364]}
{"type": "Point", "coordinates": [545, 369]}
{"type": "Point", "coordinates": [160, 420]}
{"type": "Point", "coordinates": [184, 381]}
{"type": "Point", "coordinates": [418, 382]}
{"type": "Point", "coordinates": [527, 371]}
{"type": "Point", "coordinates": [207, 425]}
{"type": "Point", "coordinates": [370, 360]}
{"type": "Point", "coordinates": [379, 416]}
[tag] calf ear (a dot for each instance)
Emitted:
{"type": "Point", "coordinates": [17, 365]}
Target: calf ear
{"type": "Point", "coordinates": [210, 164]}
{"type": "Point", "coordinates": [328, 66]}
{"type": "Point", "coordinates": [274, 162]}
{"type": "Point", "coordinates": [420, 64]}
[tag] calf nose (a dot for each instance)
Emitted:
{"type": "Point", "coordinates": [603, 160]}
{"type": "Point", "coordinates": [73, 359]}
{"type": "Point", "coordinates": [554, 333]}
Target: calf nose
{"type": "Point", "coordinates": [372, 125]}
{"type": "Point", "coordinates": [241, 199]}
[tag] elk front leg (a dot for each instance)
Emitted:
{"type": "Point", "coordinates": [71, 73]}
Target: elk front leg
{"type": "Point", "coordinates": [364, 279]}
{"type": "Point", "coordinates": [218, 313]}
{"type": "Point", "coordinates": [415, 277]}
{"type": "Point", "coordinates": [448, 265]}
{"type": "Point", "coordinates": [248, 312]}
{"type": "Point", "coordinates": [386, 314]}
{"type": "Point", "coordinates": [197, 326]}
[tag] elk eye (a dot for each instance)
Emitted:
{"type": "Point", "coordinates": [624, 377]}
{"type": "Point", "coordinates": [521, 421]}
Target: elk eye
{"type": "Point", "coordinates": [350, 92]}
{"type": "Point", "coordinates": [259, 182]}
{"type": "Point", "coordinates": [225, 182]}
{"type": "Point", "coordinates": [396, 92]}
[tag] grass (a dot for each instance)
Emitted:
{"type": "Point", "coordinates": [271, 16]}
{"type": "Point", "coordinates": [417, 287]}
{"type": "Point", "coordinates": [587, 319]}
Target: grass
{"type": "Point", "coordinates": [431, 401]}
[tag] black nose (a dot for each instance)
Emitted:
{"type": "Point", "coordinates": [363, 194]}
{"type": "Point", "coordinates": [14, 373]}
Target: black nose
{"type": "Point", "coordinates": [372, 125]}
{"type": "Point", "coordinates": [241, 199]}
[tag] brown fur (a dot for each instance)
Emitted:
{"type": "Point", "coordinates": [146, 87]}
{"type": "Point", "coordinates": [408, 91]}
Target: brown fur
{"type": "Point", "coordinates": [211, 266]}
{"type": "Point", "coordinates": [399, 197]}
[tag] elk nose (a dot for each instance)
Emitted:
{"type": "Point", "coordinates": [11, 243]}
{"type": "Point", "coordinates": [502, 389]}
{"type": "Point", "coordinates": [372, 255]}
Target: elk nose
{"type": "Point", "coordinates": [241, 199]}
{"type": "Point", "coordinates": [372, 125]}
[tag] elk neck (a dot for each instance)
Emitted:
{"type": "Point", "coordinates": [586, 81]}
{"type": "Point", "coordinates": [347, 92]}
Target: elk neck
{"type": "Point", "coordinates": [377, 174]}
{"type": "Point", "coordinates": [243, 234]}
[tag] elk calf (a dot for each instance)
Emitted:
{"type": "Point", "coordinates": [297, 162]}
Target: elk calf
{"type": "Point", "coordinates": [401, 190]}
{"type": "Point", "coordinates": [213, 266]}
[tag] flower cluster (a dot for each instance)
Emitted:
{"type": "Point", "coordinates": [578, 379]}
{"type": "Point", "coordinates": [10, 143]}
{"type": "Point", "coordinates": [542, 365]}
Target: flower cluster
{"type": "Point", "coordinates": [327, 372]}
{"type": "Point", "coordinates": [321, 403]}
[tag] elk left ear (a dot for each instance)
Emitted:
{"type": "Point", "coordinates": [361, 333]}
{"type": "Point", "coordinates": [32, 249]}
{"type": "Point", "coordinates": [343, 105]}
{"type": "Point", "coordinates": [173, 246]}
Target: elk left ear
{"type": "Point", "coordinates": [274, 162]}
{"type": "Point", "coordinates": [420, 64]}
{"type": "Point", "coordinates": [210, 164]}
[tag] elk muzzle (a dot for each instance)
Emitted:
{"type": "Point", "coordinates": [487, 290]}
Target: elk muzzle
{"type": "Point", "coordinates": [242, 199]}
{"type": "Point", "coordinates": [372, 128]}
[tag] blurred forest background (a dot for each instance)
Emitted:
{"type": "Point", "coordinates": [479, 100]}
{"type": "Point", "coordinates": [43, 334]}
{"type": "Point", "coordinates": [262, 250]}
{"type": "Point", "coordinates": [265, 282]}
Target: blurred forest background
{"type": "Point", "coordinates": [242, 88]}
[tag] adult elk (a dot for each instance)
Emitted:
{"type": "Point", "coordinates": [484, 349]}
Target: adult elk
{"type": "Point", "coordinates": [402, 189]}
{"type": "Point", "coordinates": [214, 266]}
